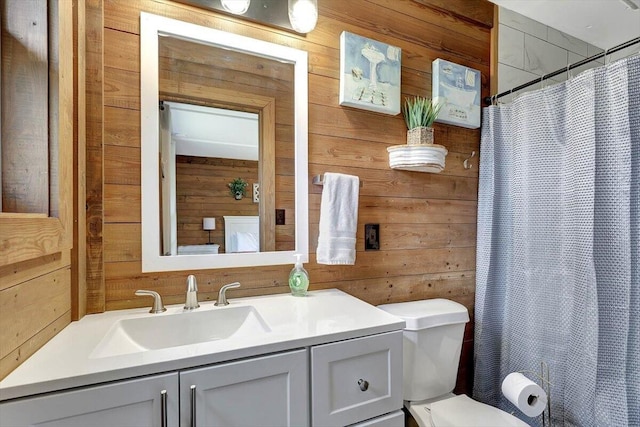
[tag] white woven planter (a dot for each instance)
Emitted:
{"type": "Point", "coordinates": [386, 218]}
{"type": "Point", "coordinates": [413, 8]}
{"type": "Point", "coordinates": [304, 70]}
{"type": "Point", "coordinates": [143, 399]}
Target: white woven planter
{"type": "Point", "coordinates": [419, 157]}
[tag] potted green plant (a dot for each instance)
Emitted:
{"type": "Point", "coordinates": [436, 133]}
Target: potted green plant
{"type": "Point", "coordinates": [419, 114]}
{"type": "Point", "coordinates": [238, 188]}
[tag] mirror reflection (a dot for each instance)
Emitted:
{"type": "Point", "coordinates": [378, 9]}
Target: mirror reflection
{"type": "Point", "coordinates": [209, 162]}
{"type": "Point", "coordinates": [226, 150]}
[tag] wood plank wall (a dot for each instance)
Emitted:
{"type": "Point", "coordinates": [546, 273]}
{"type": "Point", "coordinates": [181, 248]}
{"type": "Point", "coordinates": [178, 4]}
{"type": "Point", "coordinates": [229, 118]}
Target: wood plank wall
{"type": "Point", "coordinates": [201, 189]}
{"type": "Point", "coordinates": [427, 221]}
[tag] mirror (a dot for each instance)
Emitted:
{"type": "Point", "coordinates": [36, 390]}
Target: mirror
{"type": "Point", "coordinates": [226, 81]}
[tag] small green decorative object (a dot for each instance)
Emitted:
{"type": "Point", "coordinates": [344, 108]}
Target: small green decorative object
{"type": "Point", "coordinates": [238, 188]}
{"type": "Point", "coordinates": [420, 112]}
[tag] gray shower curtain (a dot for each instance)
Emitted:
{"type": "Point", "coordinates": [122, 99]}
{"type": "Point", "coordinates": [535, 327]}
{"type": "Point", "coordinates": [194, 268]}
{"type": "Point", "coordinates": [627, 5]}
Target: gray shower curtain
{"type": "Point", "coordinates": [558, 253]}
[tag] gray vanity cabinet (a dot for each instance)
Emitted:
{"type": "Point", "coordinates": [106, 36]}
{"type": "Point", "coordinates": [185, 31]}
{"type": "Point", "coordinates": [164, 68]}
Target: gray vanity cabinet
{"type": "Point", "coordinates": [262, 391]}
{"type": "Point", "coordinates": [265, 391]}
{"type": "Point", "coordinates": [140, 402]}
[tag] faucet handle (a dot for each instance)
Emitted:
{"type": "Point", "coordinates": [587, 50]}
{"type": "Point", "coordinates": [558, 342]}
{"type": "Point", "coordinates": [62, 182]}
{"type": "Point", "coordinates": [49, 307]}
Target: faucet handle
{"type": "Point", "coordinates": [192, 293]}
{"type": "Point", "coordinates": [222, 295]}
{"type": "Point", "coordinates": [158, 307]}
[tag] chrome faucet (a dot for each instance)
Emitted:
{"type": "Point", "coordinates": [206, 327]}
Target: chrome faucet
{"type": "Point", "coordinates": [222, 295]}
{"type": "Point", "coordinates": [192, 293]}
{"type": "Point", "coordinates": [158, 307]}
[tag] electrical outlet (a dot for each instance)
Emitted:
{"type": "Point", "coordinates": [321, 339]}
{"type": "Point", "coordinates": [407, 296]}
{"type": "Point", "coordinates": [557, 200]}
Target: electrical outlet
{"type": "Point", "coordinates": [372, 237]}
{"type": "Point", "coordinates": [279, 216]}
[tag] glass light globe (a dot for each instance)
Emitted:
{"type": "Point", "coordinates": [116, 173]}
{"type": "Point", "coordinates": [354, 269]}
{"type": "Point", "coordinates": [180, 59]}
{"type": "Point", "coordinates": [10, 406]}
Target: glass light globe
{"type": "Point", "coordinates": [303, 15]}
{"type": "Point", "coordinates": [237, 7]}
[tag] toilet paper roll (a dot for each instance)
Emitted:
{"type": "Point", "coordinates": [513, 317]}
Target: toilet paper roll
{"type": "Point", "coordinates": [526, 395]}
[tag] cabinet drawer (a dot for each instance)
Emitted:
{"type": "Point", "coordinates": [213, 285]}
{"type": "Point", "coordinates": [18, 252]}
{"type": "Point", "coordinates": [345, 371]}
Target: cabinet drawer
{"type": "Point", "coordinates": [356, 380]}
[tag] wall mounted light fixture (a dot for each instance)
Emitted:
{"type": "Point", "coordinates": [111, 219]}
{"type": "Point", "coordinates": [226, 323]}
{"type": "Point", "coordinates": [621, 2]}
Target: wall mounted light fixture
{"type": "Point", "coordinates": [303, 15]}
{"type": "Point", "coordinates": [237, 7]}
{"type": "Point", "coordinates": [299, 16]}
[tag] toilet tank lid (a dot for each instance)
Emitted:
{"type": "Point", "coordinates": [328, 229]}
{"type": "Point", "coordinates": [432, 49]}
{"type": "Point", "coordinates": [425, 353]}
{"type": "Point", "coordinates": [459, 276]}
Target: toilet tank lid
{"type": "Point", "coordinates": [428, 313]}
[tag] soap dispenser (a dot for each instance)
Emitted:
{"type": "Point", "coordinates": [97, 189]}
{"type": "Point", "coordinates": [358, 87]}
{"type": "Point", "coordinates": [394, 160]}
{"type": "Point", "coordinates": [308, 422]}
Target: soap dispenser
{"type": "Point", "coordinates": [298, 279]}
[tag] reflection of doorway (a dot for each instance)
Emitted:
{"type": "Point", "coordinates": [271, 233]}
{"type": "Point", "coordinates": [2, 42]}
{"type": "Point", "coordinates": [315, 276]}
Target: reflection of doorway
{"type": "Point", "coordinates": [220, 153]}
{"type": "Point", "coordinates": [213, 146]}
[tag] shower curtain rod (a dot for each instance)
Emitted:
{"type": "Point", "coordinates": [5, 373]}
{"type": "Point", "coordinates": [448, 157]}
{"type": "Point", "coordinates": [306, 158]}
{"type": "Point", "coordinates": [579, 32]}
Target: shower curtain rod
{"type": "Point", "coordinates": [489, 99]}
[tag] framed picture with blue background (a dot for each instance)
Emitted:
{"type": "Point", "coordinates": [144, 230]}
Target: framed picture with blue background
{"type": "Point", "coordinates": [369, 74]}
{"type": "Point", "coordinates": [457, 88]}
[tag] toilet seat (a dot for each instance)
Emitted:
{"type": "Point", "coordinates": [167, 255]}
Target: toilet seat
{"type": "Point", "coordinates": [461, 411]}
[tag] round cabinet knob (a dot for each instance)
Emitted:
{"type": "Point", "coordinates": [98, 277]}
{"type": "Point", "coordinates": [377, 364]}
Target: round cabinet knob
{"type": "Point", "coordinates": [364, 384]}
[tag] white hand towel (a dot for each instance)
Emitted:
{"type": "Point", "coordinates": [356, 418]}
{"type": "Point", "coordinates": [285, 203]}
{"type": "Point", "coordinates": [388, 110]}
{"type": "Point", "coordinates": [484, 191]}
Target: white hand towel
{"type": "Point", "coordinates": [338, 219]}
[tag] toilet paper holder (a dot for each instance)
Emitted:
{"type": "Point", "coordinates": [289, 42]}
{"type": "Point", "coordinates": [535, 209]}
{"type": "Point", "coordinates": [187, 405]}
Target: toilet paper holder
{"type": "Point", "coordinates": [545, 377]}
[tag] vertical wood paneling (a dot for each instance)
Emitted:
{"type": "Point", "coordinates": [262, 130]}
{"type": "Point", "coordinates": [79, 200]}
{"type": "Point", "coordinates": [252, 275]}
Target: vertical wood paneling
{"type": "Point", "coordinates": [94, 35]}
{"type": "Point", "coordinates": [427, 221]}
{"type": "Point", "coordinates": [79, 250]}
{"type": "Point", "coordinates": [25, 127]}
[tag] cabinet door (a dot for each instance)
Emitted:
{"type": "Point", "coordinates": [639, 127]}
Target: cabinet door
{"type": "Point", "coordinates": [137, 402]}
{"type": "Point", "coordinates": [263, 391]}
{"type": "Point", "coordinates": [356, 380]}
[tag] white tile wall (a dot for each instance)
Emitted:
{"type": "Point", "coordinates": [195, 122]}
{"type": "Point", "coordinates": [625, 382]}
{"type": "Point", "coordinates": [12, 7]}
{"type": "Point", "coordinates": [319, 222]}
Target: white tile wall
{"type": "Point", "coordinates": [567, 42]}
{"type": "Point", "coordinates": [511, 44]}
{"type": "Point", "coordinates": [528, 49]}
{"type": "Point", "coordinates": [522, 23]}
{"type": "Point", "coordinates": [511, 77]}
{"type": "Point", "coordinates": [541, 57]}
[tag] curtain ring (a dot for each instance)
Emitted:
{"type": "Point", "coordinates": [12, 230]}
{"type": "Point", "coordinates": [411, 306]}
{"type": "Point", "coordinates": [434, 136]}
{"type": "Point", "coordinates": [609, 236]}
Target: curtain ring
{"type": "Point", "coordinates": [542, 79]}
{"type": "Point", "coordinates": [605, 56]}
{"type": "Point", "coordinates": [569, 74]}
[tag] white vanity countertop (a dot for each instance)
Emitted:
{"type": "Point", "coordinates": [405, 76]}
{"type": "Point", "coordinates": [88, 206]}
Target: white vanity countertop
{"type": "Point", "coordinates": [66, 361]}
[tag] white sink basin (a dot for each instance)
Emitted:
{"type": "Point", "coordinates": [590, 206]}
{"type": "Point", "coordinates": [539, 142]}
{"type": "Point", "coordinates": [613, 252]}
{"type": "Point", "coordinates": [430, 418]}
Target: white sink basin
{"type": "Point", "coordinates": [159, 331]}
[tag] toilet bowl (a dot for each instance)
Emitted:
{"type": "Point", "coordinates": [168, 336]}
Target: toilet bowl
{"type": "Point", "coordinates": [432, 342]}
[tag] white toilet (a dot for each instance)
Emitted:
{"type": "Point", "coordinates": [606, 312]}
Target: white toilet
{"type": "Point", "coordinates": [431, 353]}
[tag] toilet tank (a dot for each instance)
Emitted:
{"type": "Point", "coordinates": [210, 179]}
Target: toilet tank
{"type": "Point", "coordinates": [432, 342]}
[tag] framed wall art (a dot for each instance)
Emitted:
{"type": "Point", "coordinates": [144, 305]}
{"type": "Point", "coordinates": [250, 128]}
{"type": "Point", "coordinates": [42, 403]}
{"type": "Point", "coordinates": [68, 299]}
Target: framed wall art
{"type": "Point", "coordinates": [369, 74]}
{"type": "Point", "coordinates": [457, 88]}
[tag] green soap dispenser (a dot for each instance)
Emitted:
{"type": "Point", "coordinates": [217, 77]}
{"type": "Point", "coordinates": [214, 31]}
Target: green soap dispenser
{"type": "Point", "coordinates": [298, 279]}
